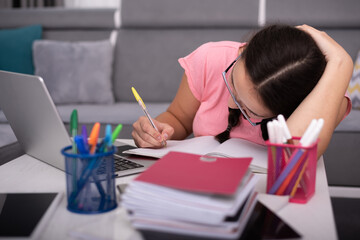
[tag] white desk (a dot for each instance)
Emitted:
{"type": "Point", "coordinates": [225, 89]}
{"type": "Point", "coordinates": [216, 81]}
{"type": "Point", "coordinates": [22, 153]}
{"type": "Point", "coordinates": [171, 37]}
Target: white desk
{"type": "Point", "coordinates": [314, 220]}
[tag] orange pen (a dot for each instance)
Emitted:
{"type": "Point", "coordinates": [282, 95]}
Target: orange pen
{"type": "Point", "coordinates": [94, 135]}
{"type": "Point", "coordinates": [290, 176]}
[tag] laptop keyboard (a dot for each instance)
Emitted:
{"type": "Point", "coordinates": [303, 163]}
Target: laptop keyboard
{"type": "Point", "coordinates": [122, 164]}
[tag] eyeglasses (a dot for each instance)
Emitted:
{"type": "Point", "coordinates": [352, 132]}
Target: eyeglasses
{"type": "Point", "coordinates": [233, 96]}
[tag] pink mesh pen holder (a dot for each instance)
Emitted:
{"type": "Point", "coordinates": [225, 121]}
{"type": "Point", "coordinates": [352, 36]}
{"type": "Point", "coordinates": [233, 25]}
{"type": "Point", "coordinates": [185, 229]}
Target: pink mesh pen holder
{"type": "Point", "coordinates": [292, 170]}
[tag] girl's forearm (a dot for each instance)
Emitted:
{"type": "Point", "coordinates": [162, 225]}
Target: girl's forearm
{"type": "Point", "coordinates": [325, 101]}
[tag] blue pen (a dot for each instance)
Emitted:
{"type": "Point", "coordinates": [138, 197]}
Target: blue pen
{"type": "Point", "coordinates": [109, 164]}
{"type": "Point", "coordinates": [80, 143]}
{"type": "Point", "coordinates": [87, 172]}
{"type": "Point", "coordinates": [106, 142]}
{"type": "Point", "coordinates": [85, 136]}
{"type": "Point", "coordinates": [108, 136]}
{"type": "Point", "coordinates": [83, 148]}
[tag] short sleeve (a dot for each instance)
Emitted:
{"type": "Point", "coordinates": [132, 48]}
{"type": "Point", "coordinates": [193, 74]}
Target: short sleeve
{"type": "Point", "coordinates": [205, 65]}
{"type": "Point", "coordinates": [349, 106]}
{"type": "Point", "coordinates": [194, 65]}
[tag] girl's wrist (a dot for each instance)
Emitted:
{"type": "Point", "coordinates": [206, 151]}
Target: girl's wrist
{"type": "Point", "coordinates": [339, 57]}
{"type": "Point", "coordinates": [338, 72]}
{"type": "Point", "coordinates": [340, 62]}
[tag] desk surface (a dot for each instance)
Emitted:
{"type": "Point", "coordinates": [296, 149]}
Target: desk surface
{"type": "Point", "coordinates": [314, 220]}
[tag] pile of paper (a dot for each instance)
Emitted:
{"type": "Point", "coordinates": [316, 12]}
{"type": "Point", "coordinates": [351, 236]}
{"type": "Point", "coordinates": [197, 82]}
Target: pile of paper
{"type": "Point", "coordinates": [185, 194]}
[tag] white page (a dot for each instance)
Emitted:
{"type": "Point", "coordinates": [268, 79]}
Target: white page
{"type": "Point", "coordinates": [237, 147]}
{"type": "Point", "coordinates": [208, 145]}
{"type": "Point", "coordinates": [141, 197]}
{"type": "Point", "coordinates": [198, 145]}
{"type": "Point", "coordinates": [224, 230]}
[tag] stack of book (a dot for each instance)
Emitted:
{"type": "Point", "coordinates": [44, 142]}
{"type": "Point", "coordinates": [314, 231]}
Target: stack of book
{"type": "Point", "coordinates": [193, 195]}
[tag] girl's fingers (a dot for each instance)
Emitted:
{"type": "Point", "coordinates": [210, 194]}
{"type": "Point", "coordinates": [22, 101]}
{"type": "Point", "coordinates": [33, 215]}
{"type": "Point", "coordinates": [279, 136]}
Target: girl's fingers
{"type": "Point", "coordinates": [145, 135]}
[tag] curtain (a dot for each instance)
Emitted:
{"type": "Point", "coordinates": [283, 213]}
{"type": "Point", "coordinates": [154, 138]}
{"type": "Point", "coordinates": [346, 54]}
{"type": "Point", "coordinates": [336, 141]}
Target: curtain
{"type": "Point", "coordinates": [6, 4]}
{"type": "Point", "coordinates": [30, 3]}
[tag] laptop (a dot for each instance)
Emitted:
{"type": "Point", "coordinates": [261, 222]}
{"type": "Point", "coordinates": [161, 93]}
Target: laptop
{"type": "Point", "coordinates": [36, 123]}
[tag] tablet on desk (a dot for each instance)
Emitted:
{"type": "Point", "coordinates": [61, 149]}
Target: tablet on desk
{"type": "Point", "coordinates": [24, 215]}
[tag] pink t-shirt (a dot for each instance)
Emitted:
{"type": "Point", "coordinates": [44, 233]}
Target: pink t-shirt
{"type": "Point", "coordinates": [203, 68]}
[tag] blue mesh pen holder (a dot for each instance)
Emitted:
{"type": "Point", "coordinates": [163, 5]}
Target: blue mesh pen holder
{"type": "Point", "coordinates": [90, 181]}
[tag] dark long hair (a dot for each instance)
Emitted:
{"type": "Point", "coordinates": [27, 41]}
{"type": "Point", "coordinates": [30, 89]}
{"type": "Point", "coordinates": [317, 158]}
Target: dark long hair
{"type": "Point", "coordinates": [284, 64]}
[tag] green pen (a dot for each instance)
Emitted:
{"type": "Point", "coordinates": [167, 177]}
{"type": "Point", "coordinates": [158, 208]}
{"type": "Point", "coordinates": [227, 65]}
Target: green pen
{"type": "Point", "coordinates": [74, 128]}
{"type": "Point", "coordinates": [116, 132]}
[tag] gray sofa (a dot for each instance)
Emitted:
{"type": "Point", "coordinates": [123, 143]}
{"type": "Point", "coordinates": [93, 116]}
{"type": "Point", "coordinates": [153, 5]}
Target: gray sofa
{"type": "Point", "coordinates": [152, 34]}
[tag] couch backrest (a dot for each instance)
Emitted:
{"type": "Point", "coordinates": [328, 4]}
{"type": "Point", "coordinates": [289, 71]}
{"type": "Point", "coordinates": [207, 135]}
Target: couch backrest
{"type": "Point", "coordinates": [153, 34]}
{"type": "Point", "coordinates": [340, 19]}
{"type": "Point", "coordinates": [63, 24]}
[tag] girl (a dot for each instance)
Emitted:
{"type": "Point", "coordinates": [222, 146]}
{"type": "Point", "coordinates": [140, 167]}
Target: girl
{"type": "Point", "coordinates": [299, 72]}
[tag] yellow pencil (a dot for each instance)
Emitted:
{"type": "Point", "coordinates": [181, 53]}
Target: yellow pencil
{"type": "Point", "coordinates": [142, 105]}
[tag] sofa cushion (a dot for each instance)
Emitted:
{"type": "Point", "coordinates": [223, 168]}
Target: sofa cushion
{"type": "Point", "coordinates": [75, 72]}
{"type": "Point", "coordinates": [354, 86]}
{"type": "Point", "coordinates": [16, 48]}
{"type": "Point", "coordinates": [124, 112]}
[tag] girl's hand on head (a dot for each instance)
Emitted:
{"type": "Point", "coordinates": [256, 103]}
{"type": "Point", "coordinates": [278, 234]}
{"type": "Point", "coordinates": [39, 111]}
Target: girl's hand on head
{"type": "Point", "coordinates": [330, 48]}
{"type": "Point", "coordinates": [326, 100]}
{"type": "Point", "coordinates": [145, 135]}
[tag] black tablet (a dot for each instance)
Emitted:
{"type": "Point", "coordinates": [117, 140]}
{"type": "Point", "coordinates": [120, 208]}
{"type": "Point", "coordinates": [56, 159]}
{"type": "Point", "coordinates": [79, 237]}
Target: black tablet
{"type": "Point", "coordinates": [23, 215]}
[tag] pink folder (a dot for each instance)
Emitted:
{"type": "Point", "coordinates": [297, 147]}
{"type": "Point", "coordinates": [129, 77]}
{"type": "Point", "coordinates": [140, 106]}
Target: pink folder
{"type": "Point", "coordinates": [191, 172]}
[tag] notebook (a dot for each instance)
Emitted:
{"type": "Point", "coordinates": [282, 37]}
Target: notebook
{"type": "Point", "coordinates": [215, 175]}
{"type": "Point", "coordinates": [34, 119]}
{"type": "Point", "coordinates": [209, 146]}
